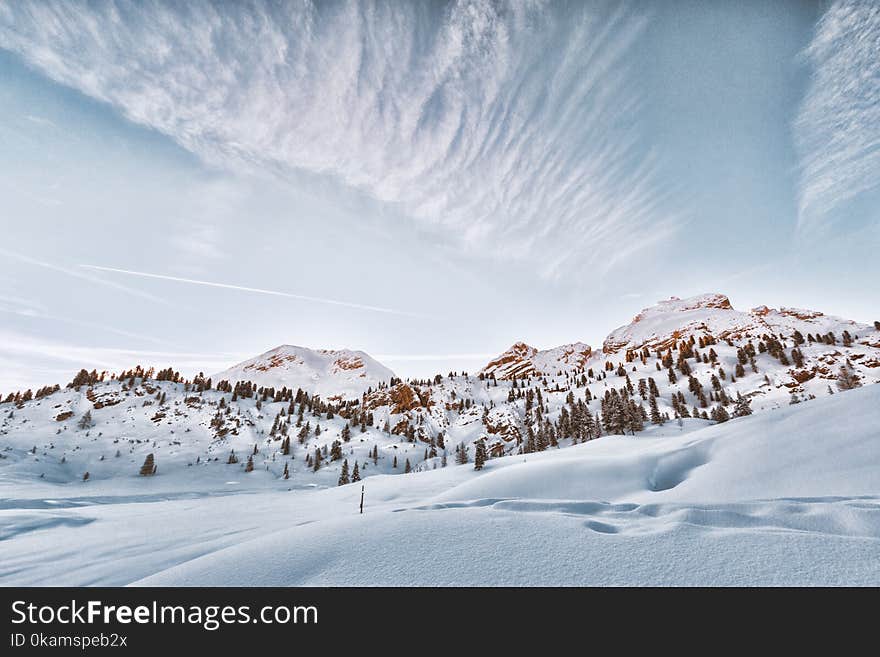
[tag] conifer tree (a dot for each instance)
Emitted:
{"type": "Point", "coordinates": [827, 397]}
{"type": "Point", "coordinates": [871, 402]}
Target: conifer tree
{"type": "Point", "coordinates": [742, 406]}
{"type": "Point", "coordinates": [634, 421]}
{"type": "Point", "coordinates": [336, 451]}
{"type": "Point", "coordinates": [847, 379]}
{"type": "Point", "coordinates": [480, 455]}
{"type": "Point", "coordinates": [149, 466]}
{"type": "Point", "coordinates": [85, 422]}
{"type": "Point", "coordinates": [343, 476]}
{"type": "Point", "coordinates": [356, 473]}
{"type": "Point", "coordinates": [407, 468]}
{"type": "Point", "coordinates": [656, 418]}
{"type": "Point", "coordinates": [286, 474]}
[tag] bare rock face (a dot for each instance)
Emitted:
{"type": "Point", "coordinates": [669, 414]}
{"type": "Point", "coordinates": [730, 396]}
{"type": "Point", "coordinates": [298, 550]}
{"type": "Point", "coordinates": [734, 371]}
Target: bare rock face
{"type": "Point", "coordinates": [515, 362]}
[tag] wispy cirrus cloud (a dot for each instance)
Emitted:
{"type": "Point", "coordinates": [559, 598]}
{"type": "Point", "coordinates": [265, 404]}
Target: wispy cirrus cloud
{"type": "Point", "coordinates": [508, 127]}
{"type": "Point", "coordinates": [837, 129]}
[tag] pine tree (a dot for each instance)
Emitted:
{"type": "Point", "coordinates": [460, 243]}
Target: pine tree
{"type": "Point", "coordinates": [85, 422]}
{"type": "Point", "coordinates": [461, 454]}
{"type": "Point", "coordinates": [346, 432]}
{"type": "Point", "coordinates": [336, 451]}
{"type": "Point", "coordinates": [343, 476]}
{"type": "Point", "coordinates": [149, 466]}
{"type": "Point", "coordinates": [656, 418]}
{"type": "Point", "coordinates": [286, 474]}
{"type": "Point", "coordinates": [316, 462]}
{"type": "Point", "coordinates": [634, 421]}
{"type": "Point", "coordinates": [720, 414]}
{"type": "Point", "coordinates": [480, 455]}
{"type": "Point", "coordinates": [304, 432]}
{"type": "Point", "coordinates": [407, 468]}
{"type": "Point", "coordinates": [742, 407]}
{"type": "Point", "coordinates": [356, 473]}
{"type": "Point", "coordinates": [249, 467]}
{"type": "Point", "coordinates": [847, 379]}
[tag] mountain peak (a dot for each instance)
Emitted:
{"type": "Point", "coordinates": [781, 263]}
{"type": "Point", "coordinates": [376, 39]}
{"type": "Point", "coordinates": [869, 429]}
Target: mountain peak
{"type": "Point", "coordinates": [524, 360]}
{"type": "Point", "coordinates": [326, 372]}
{"type": "Point", "coordinates": [658, 326]}
{"type": "Point", "coordinates": [675, 304]}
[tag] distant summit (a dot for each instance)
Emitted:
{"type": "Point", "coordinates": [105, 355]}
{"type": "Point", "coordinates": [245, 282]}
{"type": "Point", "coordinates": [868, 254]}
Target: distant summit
{"type": "Point", "coordinates": [660, 325]}
{"type": "Point", "coordinates": [522, 360]}
{"type": "Point", "coordinates": [339, 373]}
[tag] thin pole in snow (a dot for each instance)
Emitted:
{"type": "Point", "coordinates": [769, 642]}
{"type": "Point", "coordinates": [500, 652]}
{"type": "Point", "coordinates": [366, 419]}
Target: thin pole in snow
{"type": "Point", "coordinates": [362, 499]}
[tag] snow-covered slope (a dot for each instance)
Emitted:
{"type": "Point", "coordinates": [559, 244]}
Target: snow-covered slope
{"type": "Point", "coordinates": [339, 373]}
{"type": "Point", "coordinates": [788, 497]}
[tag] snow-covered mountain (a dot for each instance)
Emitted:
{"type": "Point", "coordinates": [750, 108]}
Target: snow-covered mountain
{"type": "Point", "coordinates": [330, 373]}
{"type": "Point", "coordinates": [688, 361]}
{"type": "Point", "coordinates": [522, 360]}
{"type": "Point", "coordinates": [659, 326]}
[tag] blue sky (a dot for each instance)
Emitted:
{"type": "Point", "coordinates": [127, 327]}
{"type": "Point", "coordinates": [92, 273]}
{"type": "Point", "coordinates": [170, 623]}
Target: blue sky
{"type": "Point", "coordinates": [427, 182]}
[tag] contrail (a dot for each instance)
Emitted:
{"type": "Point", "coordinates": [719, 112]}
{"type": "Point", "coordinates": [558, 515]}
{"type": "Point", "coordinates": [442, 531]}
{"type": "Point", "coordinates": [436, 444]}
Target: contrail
{"type": "Point", "coordinates": [70, 272]}
{"type": "Point", "coordinates": [257, 290]}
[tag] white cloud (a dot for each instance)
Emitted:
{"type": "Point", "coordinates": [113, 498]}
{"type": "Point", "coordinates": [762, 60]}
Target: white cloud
{"type": "Point", "coordinates": [508, 127]}
{"type": "Point", "coordinates": [838, 125]}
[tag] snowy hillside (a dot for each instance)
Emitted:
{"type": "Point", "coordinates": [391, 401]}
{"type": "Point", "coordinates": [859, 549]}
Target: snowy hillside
{"type": "Point", "coordinates": [340, 373]}
{"type": "Point", "coordinates": [781, 498]}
